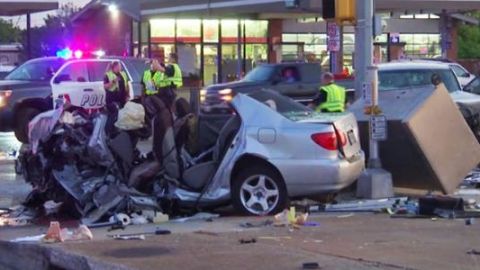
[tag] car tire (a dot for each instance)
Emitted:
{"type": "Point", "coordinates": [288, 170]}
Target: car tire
{"type": "Point", "coordinates": [24, 117]}
{"type": "Point", "coordinates": [253, 196]}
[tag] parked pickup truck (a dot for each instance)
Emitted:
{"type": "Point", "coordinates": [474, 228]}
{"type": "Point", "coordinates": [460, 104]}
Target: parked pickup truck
{"type": "Point", "coordinates": [300, 81]}
{"type": "Point", "coordinates": [27, 90]}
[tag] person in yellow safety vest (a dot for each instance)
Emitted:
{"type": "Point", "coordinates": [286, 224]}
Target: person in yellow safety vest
{"type": "Point", "coordinates": [173, 72]}
{"type": "Point", "coordinates": [332, 97]}
{"type": "Point", "coordinates": [153, 79]}
{"type": "Point", "coordinates": [115, 83]}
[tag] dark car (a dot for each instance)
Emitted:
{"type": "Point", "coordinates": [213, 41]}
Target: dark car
{"type": "Point", "coordinates": [300, 81]}
{"type": "Point", "coordinates": [27, 90]}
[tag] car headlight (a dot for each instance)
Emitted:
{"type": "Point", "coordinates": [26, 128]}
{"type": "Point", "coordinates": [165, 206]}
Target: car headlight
{"type": "Point", "coordinates": [226, 94]}
{"type": "Point", "coordinates": [4, 95]}
{"type": "Point", "coordinates": [203, 95]}
{"type": "Point", "coordinates": [227, 91]}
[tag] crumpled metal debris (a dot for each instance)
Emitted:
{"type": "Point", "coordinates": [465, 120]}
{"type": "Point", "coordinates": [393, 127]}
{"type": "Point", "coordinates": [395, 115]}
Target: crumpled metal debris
{"type": "Point", "coordinates": [74, 161]}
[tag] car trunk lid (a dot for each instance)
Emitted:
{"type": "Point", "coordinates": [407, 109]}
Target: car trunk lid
{"type": "Point", "coordinates": [345, 126]}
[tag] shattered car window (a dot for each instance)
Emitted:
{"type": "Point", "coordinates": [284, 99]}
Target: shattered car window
{"type": "Point", "coordinates": [282, 104]}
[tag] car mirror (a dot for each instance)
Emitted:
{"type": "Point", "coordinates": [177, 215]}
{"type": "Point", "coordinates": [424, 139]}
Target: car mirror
{"type": "Point", "coordinates": [467, 89]}
{"type": "Point", "coordinates": [466, 75]}
{"type": "Point", "coordinates": [61, 78]}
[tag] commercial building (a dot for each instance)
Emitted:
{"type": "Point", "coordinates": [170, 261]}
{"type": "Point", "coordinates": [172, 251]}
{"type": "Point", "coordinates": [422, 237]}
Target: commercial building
{"type": "Point", "coordinates": [219, 40]}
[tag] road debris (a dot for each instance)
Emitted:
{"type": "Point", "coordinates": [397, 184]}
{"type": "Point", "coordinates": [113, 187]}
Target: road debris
{"type": "Point", "coordinates": [473, 252]}
{"type": "Point", "coordinates": [198, 217]}
{"type": "Point", "coordinates": [156, 232]}
{"type": "Point", "coordinates": [248, 241]}
{"type": "Point", "coordinates": [261, 224]}
{"type": "Point", "coordinates": [132, 237]}
{"type": "Point", "coordinates": [206, 233]}
{"type": "Point", "coordinates": [311, 265]}
{"type": "Point", "coordinates": [360, 205]}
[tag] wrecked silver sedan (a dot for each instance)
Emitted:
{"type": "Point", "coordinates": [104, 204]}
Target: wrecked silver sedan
{"type": "Point", "coordinates": [269, 150]}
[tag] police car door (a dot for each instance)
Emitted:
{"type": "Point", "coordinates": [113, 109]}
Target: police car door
{"type": "Point", "coordinates": [97, 70]}
{"type": "Point", "coordinates": [72, 83]}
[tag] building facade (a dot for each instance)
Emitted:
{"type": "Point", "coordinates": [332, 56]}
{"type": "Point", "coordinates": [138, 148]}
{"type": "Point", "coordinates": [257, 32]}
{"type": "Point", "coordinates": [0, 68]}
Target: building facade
{"type": "Point", "coordinates": [222, 40]}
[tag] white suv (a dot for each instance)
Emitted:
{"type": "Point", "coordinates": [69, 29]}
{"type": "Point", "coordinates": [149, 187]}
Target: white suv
{"type": "Point", "coordinates": [406, 75]}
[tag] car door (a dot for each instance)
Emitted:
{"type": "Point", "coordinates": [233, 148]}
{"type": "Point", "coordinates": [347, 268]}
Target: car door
{"type": "Point", "coordinates": [464, 77]}
{"type": "Point", "coordinates": [98, 68]}
{"type": "Point", "coordinates": [291, 87]}
{"type": "Point", "coordinates": [73, 84]}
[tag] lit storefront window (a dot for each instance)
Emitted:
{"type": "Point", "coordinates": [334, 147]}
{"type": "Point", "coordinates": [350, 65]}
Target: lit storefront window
{"type": "Point", "coordinates": [188, 31]}
{"type": "Point", "coordinates": [162, 30]}
{"type": "Point", "coordinates": [421, 45]}
{"type": "Point", "coordinates": [210, 31]}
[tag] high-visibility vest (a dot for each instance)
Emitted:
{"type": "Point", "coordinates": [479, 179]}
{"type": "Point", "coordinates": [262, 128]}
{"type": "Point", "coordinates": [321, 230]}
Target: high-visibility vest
{"type": "Point", "coordinates": [152, 83]}
{"type": "Point", "coordinates": [112, 76]}
{"type": "Point", "coordinates": [177, 78]}
{"type": "Point", "coordinates": [335, 99]}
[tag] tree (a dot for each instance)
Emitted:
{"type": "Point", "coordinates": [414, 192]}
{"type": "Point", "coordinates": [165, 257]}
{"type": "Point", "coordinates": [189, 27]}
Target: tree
{"type": "Point", "coordinates": [469, 39]}
{"type": "Point", "coordinates": [46, 40]}
{"type": "Point", "coordinates": [8, 32]}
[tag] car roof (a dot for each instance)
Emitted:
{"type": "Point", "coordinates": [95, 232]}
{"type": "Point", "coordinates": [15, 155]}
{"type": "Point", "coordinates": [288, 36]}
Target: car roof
{"type": "Point", "coordinates": [409, 65]}
{"type": "Point", "coordinates": [289, 64]}
{"type": "Point", "coordinates": [104, 58]}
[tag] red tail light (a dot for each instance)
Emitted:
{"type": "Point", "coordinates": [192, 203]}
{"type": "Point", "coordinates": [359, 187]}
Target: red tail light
{"type": "Point", "coordinates": [329, 140]}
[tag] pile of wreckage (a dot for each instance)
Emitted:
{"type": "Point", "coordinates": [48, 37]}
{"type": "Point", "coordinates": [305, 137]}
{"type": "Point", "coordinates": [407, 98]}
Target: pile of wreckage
{"type": "Point", "coordinates": [89, 162]}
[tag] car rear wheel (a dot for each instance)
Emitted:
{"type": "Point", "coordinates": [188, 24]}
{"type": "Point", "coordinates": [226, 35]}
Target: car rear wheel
{"type": "Point", "coordinates": [23, 118]}
{"type": "Point", "coordinates": [259, 191]}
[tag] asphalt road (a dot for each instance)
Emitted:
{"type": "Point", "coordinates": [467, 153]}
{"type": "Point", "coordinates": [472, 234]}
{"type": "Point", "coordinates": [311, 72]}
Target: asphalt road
{"type": "Point", "coordinates": [12, 187]}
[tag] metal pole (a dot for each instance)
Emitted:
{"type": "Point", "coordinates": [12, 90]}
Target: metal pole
{"type": "Point", "coordinates": [374, 182]}
{"type": "Point", "coordinates": [29, 37]}
{"type": "Point", "coordinates": [374, 157]}
{"type": "Point", "coordinates": [363, 43]}
{"type": "Point", "coordinates": [239, 50]}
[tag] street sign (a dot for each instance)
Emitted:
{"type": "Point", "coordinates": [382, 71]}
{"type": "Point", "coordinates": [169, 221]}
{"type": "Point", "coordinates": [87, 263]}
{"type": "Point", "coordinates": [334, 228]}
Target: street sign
{"type": "Point", "coordinates": [367, 94]}
{"type": "Point", "coordinates": [394, 38]}
{"type": "Point", "coordinates": [378, 127]}
{"type": "Point", "coordinates": [333, 34]}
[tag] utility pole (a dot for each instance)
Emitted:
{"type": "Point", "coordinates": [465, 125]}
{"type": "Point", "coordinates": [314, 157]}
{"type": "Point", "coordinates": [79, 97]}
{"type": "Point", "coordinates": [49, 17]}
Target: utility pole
{"type": "Point", "coordinates": [375, 182]}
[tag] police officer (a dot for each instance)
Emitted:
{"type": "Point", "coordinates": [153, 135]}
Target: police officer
{"type": "Point", "coordinates": [173, 72]}
{"type": "Point", "coordinates": [115, 83]}
{"type": "Point", "coordinates": [153, 79]}
{"type": "Point", "coordinates": [331, 98]}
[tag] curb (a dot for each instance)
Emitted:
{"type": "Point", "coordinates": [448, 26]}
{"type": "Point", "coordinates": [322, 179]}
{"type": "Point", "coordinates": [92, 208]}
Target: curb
{"type": "Point", "coordinates": [22, 256]}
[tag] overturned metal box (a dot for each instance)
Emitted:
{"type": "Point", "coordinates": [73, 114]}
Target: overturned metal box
{"type": "Point", "coordinates": [429, 145]}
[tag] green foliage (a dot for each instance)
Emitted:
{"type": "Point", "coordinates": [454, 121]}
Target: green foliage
{"type": "Point", "coordinates": [468, 42]}
{"type": "Point", "coordinates": [8, 32]}
{"type": "Point", "coordinates": [46, 40]}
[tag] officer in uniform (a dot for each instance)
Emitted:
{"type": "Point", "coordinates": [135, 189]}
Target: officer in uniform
{"type": "Point", "coordinates": [332, 97]}
{"type": "Point", "coordinates": [115, 83]}
{"type": "Point", "coordinates": [173, 72]}
{"type": "Point", "coordinates": [153, 78]}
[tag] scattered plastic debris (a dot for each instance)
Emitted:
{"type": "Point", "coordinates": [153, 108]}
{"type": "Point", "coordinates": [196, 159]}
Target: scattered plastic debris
{"type": "Point", "coordinates": [51, 207]}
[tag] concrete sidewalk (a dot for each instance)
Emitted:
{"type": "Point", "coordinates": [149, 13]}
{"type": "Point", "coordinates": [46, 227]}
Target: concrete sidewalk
{"type": "Point", "coordinates": [361, 241]}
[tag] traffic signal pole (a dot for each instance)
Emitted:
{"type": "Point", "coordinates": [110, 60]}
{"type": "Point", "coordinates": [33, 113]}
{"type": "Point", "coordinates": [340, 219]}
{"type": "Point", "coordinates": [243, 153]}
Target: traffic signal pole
{"type": "Point", "coordinates": [375, 182]}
